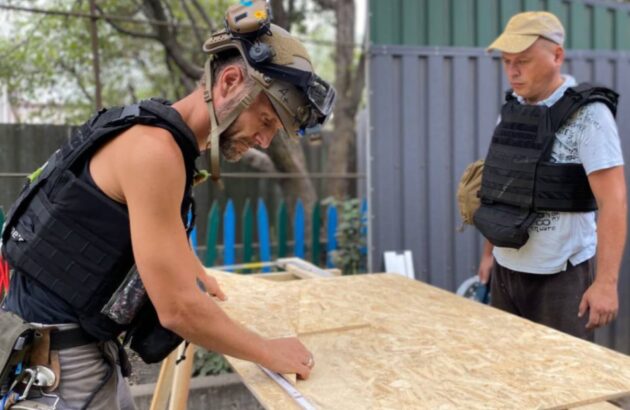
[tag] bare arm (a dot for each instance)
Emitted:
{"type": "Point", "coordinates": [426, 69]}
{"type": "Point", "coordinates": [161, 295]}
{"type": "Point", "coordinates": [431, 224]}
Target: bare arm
{"type": "Point", "coordinates": [485, 265]}
{"type": "Point", "coordinates": [150, 172]}
{"type": "Point", "coordinates": [601, 299]}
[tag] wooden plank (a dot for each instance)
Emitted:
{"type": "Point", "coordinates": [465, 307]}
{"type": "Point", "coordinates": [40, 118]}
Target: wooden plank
{"type": "Point", "coordinates": [331, 230]}
{"type": "Point", "coordinates": [609, 401]}
{"type": "Point", "coordinates": [298, 230]}
{"type": "Point", "coordinates": [229, 234]}
{"type": "Point", "coordinates": [316, 226]}
{"type": "Point", "coordinates": [164, 383]}
{"type": "Point", "coordinates": [423, 348]}
{"type": "Point", "coordinates": [282, 223]}
{"type": "Point", "coordinates": [263, 233]}
{"type": "Point", "coordinates": [181, 378]}
{"type": "Point", "coordinates": [192, 237]}
{"type": "Point", "coordinates": [604, 405]}
{"type": "Point", "coordinates": [247, 226]}
{"type": "Point", "coordinates": [212, 234]}
{"type": "Point", "coordinates": [364, 228]}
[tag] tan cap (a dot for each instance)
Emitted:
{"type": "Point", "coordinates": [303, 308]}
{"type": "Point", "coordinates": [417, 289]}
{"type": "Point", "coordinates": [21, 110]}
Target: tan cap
{"type": "Point", "coordinates": [523, 30]}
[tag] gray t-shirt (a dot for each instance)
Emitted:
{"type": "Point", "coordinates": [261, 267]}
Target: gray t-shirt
{"type": "Point", "coordinates": [590, 137]}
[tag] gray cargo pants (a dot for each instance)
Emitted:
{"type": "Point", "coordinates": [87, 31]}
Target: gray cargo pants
{"type": "Point", "coordinates": [83, 370]}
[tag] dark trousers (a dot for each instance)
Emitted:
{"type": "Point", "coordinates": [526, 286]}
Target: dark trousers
{"type": "Point", "coordinates": [549, 299]}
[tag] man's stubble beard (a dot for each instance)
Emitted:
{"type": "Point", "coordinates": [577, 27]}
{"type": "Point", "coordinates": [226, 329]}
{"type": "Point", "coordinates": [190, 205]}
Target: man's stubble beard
{"type": "Point", "coordinates": [228, 141]}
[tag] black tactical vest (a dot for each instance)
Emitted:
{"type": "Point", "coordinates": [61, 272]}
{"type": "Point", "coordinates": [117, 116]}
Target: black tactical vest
{"type": "Point", "coordinates": [70, 237]}
{"type": "Point", "coordinates": [519, 180]}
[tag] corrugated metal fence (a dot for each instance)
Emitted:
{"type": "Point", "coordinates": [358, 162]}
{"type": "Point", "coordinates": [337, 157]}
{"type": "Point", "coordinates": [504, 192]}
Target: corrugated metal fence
{"type": "Point", "coordinates": [589, 24]}
{"type": "Point", "coordinates": [432, 112]}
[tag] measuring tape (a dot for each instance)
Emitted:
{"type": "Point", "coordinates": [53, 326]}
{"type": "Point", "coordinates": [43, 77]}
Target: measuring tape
{"type": "Point", "coordinates": [290, 389]}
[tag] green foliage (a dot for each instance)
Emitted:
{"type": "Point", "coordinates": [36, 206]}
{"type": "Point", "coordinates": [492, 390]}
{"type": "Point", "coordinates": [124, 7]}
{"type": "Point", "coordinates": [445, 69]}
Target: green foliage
{"type": "Point", "coordinates": [46, 61]}
{"type": "Point", "coordinates": [209, 363]}
{"type": "Point", "coordinates": [350, 238]}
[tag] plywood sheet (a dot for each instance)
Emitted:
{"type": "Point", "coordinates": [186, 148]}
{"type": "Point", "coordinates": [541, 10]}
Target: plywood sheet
{"type": "Point", "coordinates": [411, 345]}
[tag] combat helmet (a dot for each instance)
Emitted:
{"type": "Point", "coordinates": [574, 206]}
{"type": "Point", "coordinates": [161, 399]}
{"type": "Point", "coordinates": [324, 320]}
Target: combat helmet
{"type": "Point", "coordinates": [280, 67]}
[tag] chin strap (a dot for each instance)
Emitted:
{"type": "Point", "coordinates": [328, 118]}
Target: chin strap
{"type": "Point", "coordinates": [217, 129]}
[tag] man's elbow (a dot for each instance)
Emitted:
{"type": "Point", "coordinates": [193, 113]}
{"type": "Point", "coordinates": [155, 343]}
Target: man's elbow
{"type": "Point", "coordinates": [174, 316]}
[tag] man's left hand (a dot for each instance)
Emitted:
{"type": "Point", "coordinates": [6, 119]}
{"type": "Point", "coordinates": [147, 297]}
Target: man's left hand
{"type": "Point", "coordinates": [602, 302]}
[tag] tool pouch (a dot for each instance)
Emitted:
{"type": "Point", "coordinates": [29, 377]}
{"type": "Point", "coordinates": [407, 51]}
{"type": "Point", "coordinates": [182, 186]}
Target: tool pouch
{"type": "Point", "coordinates": [504, 225]}
{"type": "Point", "coordinates": [149, 339]}
{"type": "Point", "coordinates": [16, 343]}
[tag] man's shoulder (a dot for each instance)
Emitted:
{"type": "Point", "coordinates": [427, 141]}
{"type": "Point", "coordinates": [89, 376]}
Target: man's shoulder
{"type": "Point", "coordinates": [150, 148]}
{"type": "Point", "coordinates": [595, 113]}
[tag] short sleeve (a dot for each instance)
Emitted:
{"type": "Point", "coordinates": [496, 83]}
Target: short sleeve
{"type": "Point", "coordinates": [598, 141]}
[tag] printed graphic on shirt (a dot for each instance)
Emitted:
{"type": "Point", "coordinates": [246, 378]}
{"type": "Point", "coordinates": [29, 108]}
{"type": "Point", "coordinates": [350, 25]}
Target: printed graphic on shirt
{"type": "Point", "coordinates": [546, 222]}
{"type": "Point", "coordinates": [565, 148]}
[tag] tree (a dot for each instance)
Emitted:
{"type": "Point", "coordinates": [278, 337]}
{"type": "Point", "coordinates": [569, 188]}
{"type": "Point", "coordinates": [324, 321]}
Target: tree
{"type": "Point", "coordinates": [349, 82]}
{"type": "Point", "coordinates": [160, 57]}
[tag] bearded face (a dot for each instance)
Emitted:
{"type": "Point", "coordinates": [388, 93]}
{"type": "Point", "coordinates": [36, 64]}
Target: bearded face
{"type": "Point", "coordinates": [255, 126]}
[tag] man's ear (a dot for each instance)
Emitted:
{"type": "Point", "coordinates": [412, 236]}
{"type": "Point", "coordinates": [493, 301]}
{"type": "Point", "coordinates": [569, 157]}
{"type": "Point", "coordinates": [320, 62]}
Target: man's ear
{"type": "Point", "coordinates": [559, 55]}
{"type": "Point", "coordinates": [230, 80]}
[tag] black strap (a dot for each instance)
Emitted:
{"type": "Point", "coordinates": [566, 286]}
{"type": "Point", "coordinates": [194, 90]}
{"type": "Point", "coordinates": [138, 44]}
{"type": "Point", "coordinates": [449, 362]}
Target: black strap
{"type": "Point", "coordinates": [576, 97]}
{"type": "Point", "coordinates": [66, 339]}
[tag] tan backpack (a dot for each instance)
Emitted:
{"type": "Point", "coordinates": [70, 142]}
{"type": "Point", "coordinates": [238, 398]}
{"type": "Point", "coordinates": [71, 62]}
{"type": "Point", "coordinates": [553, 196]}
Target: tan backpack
{"type": "Point", "coordinates": [467, 191]}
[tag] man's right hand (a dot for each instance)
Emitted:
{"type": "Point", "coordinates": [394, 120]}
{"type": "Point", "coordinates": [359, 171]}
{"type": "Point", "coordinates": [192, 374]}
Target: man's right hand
{"type": "Point", "coordinates": [289, 356]}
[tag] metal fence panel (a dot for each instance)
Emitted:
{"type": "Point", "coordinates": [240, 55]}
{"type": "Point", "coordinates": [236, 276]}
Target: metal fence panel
{"type": "Point", "coordinates": [589, 24]}
{"type": "Point", "coordinates": [432, 112]}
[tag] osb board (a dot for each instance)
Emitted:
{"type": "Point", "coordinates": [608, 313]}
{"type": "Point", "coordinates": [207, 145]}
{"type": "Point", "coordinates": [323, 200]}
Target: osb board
{"type": "Point", "coordinates": [412, 345]}
{"type": "Point", "coordinates": [598, 406]}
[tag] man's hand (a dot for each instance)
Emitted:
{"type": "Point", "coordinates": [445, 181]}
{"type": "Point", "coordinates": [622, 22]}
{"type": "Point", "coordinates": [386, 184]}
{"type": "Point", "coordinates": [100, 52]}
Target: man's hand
{"type": "Point", "coordinates": [289, 356]}
{"type": "Point", "coordinates": [602, 302]}
{"type": "Point", "coordinates": [212, 287]}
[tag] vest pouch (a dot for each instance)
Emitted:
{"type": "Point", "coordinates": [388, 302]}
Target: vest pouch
{"type": "Point", "coordinates": [16, 340]}
{"type": "Point", "coordinates": [149, 339]}
{"type": "Point", "coordinates": [504, 225]}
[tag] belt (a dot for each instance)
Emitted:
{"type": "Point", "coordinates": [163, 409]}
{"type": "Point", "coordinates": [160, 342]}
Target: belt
{"type": "Point", "coordinates": [66, 339]}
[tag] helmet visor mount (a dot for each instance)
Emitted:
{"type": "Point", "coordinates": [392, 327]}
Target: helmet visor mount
{"type": "Point", "coordinates": [320, 96]}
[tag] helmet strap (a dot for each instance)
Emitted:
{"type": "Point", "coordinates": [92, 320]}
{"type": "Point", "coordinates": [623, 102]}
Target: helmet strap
{"type": "Point", "coordinates": [217, 129]}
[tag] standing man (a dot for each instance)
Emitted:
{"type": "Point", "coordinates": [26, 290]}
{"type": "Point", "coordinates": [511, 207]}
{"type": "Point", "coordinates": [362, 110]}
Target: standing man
{"type": "Point", "coordinates": [554, 159]}
{"type": "Point", "coordinates": [117, 195]}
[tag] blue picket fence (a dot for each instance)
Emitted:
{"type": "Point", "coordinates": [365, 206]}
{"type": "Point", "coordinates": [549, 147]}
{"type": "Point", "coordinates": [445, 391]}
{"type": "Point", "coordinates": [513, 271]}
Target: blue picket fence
{"type": "Point", "coordinates": [271, 239]}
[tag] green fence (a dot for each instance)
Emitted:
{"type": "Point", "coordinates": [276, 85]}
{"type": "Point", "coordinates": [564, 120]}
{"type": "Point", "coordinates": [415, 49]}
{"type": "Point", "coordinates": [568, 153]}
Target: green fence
{"type": "Point", "coordinates": [589, 24]}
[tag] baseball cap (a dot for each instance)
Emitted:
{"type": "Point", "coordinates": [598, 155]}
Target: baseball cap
{"type": "Point", "coordinates": [523, 30]}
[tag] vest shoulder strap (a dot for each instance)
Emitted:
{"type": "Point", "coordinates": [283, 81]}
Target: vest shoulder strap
{"type": "Point", "coordinates": [509, 95]}
{"type": "Point", "coordinates": [577, 97]}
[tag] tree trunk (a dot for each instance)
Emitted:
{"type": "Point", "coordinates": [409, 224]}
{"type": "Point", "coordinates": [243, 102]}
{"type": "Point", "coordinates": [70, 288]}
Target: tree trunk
{"type": "Point", "coordinates": [349, 83]}
{"type": "Point", "coordinates": [288, 157]}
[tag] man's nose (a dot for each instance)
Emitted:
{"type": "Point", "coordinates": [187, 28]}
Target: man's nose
{"type": "Point", "coordinates": [512, 71]}
{"type": "Point", "coordinates": [263, 139]}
